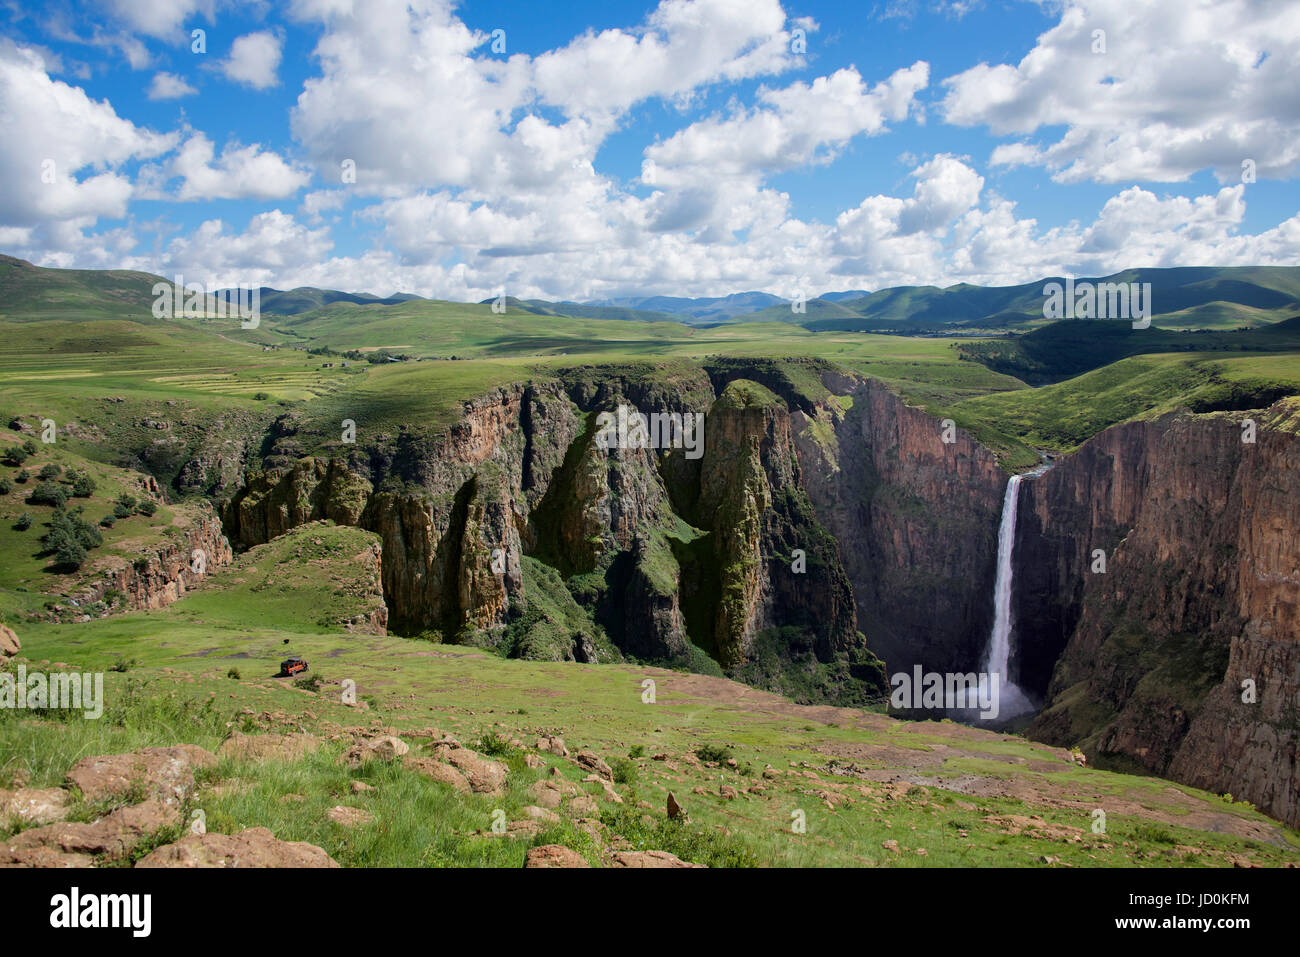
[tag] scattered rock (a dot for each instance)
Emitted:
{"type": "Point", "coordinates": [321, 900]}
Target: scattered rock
{"type": "Point", "coordinates": [77, 845]}
{"type": "Point", "coordinates": [610, 793]}
{"type": "Point", "coordinates": [648, 859]}
{"type": "Point", "coordinates": [359, 787]}
{"type": "Point", "coordinates": [438, 771]}
{"type": "Point", "coordinates": [541, 814]}
{"type": "Point", "coordinates": [552, 745]}
{"type": "Point", "coordinates": [554, 855]}
{"type": "Point", "coordinates": [9, 643]}
{"type": "Point", "coordinates": [890, 846]}
{"type": "Point", "coordinates": [255, 847]}
{"type": "Point", "coordinates": [593, 762]}
{"type": "Point", "coordinates": [728, 793]}
{"type": "Point", "coordinates": [387, 747]}
{"type": "Point", "coordinates": [349, 816]}
{"type": "Point", "coordinates": [675, 810]}
{"type": "Point", "coordinates": [268, 747]}
{"type": "Point", "coordinates": [484, 776]}
{"type": "Point", "coordinates": [533, 761]}
{"type": "Point", "coordinates": [166, 774]}
{"type": "Point", "coordinates": [32, 806]}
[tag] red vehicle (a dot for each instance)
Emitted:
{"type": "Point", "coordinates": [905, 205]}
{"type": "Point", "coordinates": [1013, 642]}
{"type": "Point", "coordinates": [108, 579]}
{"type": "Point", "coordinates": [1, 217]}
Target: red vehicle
{"type": "Point", "coordinates": [292, 666]}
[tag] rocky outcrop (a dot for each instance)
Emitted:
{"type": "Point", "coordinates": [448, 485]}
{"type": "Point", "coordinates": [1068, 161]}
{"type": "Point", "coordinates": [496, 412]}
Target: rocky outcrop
{"type": "Point", "coordinates": [9, 643]}
{"type": "Point", "coordinates": [161, 575]}
{"type": "Point", "coordinates": [1182, 657]}
{"type": "Point", "coordinates": [916, 521]}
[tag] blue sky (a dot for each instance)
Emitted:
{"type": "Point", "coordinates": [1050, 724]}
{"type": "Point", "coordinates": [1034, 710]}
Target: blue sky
{"type": "Point", "coordinates": [688, 147]}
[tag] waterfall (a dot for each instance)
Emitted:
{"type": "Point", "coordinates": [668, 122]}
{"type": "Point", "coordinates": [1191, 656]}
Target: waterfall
{"type": "Point", "coordinates": [1011, 700]}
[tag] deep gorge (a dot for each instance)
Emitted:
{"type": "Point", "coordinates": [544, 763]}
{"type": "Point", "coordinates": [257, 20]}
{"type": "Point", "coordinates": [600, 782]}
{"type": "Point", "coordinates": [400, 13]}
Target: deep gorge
{"type": "Point", "coordinates": [601, 555]}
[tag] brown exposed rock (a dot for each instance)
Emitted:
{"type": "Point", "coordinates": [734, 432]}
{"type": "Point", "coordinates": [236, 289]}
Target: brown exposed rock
{"type": "Point", "coordinates": [648, 859]}
{"type": "Point", "coordinates": [32, 806]}
{"type": "Point", "coordinates": [438, 771]}
{"type": "Point", "coordinates": [484, 776]}
{"type": "Point", "coordinates": [255, 847]}
{"type": "Point", "coordinates": [554, 855]}
{"type": "Point", "coordinates": [76, 845]}
{"type": "Point", "coordinates": [346, 816]}
{"type": "Point", "coordinates": [268, 747]}
{"type": "Point", "coordinates": [9, 643]}
{"type": "Point", "coordinates": [166, 774]}
{"type": "Point", "coordinates": [593, 762]}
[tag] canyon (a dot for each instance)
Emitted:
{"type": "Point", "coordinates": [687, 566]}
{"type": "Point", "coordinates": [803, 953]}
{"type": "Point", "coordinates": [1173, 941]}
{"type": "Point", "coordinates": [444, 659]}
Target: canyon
{"type": "Point", "coordinates": [829, 531]}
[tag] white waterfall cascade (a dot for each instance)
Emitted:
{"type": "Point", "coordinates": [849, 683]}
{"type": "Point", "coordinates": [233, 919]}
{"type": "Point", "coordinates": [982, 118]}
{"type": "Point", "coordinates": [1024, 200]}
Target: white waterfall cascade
{"type": "Point", "coordinates": [1011, 700]}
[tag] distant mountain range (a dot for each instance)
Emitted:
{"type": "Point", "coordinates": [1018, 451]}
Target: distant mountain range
{"type": "Point", "coordinates": [1209, 297]}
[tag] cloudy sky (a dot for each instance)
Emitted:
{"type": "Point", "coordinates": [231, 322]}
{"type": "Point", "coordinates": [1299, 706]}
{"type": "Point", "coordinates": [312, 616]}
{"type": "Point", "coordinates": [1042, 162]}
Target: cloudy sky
{"type": "Point", "coordinates": [694, 147]}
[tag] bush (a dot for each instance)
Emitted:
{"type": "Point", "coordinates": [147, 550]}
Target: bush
{"type": "Point", "coordinates": [83, 486]}
{"type": "Point", "coordinates": [29, 447]}
{"type": "Point", "coordinates": [624, 771]}
{"type": "Point", "coordinates": [234, 673]}
{"type": "Point", "coordinates": [24, 522]}
{"type": "Point", "coordinates": [107, 521]}
{"type": "Point", "coordinates": [48, 493]}
{"type": "Point", "coordinates": [636, 751]}
{"type": "Point", "coordinates": [260, 396]}
{"type": "Point", "coordinates": [147, 507]}
{"type": "Point", "coordinates": [6, 486]}
{"type": "Point", "coordinates": [121, 511]}
{"type": "Point", "coordinates": [22, 476]}
{"type": "Point", "coordinates": [123, 664]}
{"type": "Point", "coordinates": [70, 537]}
{"type": "Point", "coordinates": [714, 752]}
{"type": "Point", "coordinates": [126, 501]}
{"type": "Point", "coordinates": [309, 682]}
{"type": "Point", "coordinates": [16, 455]}
{"type": "Point", "coordinates": [49, 472]}
{"type": "Point", "coordinates": [494, 744]}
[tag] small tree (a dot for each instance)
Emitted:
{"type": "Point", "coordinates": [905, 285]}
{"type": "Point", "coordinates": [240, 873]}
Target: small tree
{"type": "Point", "coordinates": [83, 486]}
{"type": "Point", "coordinates": [24, 522]}
{"type": "Point", "coordinates": [48, 493]}
{"type": "Point", "coordinates": [49, 472]}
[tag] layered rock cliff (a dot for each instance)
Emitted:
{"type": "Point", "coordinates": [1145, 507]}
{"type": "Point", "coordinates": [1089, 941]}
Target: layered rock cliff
{"type": "Point", "coordinates": [673, 556]}
{"type": "Point", "coordinates": [1182, 657]}
{"type": "Point", "coordinates": [916, 520]}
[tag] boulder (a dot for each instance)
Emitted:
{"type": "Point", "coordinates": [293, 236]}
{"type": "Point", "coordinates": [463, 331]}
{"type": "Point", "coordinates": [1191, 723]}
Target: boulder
{"type": "Point", "coordinates": [165, 774]}
{"type": "Point", "coordinates": [32, 806]}
{"type": "Point", "coordinates": [349, 816]}
{"type": "Point", "coordinates": [9, 643]}
{"type": "Point", "coordinates": [554, 855]}
{"type": "Point", "coordinates": [484, 776]}
{"type": "Point", "coordinates": [77, 845]}
{"type": "Point", "coordinates": [255, 847]}
{"type": "Point", "coordinates": [648, 859]}
{"type": "Point", "coordinates": [268, 747]}
{"type": "Point", "coordinates": [593, 762]}
{"type": "Point", "coordinates": [443, 773]}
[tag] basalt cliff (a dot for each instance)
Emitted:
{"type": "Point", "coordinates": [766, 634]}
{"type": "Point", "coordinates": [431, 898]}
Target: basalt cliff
{"type": "Point", "coordinates": [822, 529]}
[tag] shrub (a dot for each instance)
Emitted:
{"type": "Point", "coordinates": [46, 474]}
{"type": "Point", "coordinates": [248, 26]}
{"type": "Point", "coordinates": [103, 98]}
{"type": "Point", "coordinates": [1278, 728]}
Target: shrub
{"type": "Point", "coordinates": [624, 771]}
{"type": "Point", "coordinates": [234, 673]}
{"type": "Point", "coordinates": [714, 752]}
{"type": "Point", "coordinates": [29, 446]}
{"type": "Point", "coordinates": [494, 744]}
{"type": "Point", "coordinates": [69, 538]}
{"type": "Point", "coordinates": [121, 511]}
{"type": "Point", "coordinates": [6, 486]}
{"type": "Point", "coordinates": [22, 476]}
{"type": "Point", "coordinates": [123, 664]}
{"type": "Point", "coordinates": [310, 682]}
{"type": "Point", "coordinates": [48, 493]}
{"type": "Point", "coordinates": [83, 486]}
{"type": "Point", "coordinates": [636, 751]}
{"type": "Point", "coordinates": [49, 472]}
{"type": "Point", "coordinates": [108, 520]}
{"type": "Point", "coordinates": [24, 522]}
{"type": "Point", "coordinates": [260, 396]}
{"type": "Point", "coordinates": [126, 501]}
{"type": "Point", "coordinates": [147, 507]}
{"type": "Point", "coordinates": [16, 455]}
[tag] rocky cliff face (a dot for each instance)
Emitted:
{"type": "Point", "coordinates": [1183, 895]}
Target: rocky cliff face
{"type": "Point", "coordinates": [916, 521]}
{"type": "Point", "coordinates": [667, 554]}
{"type": "Point", "coordinates": [163, 574]}
{"type": "Point", "coordinates": [1197, 606]}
